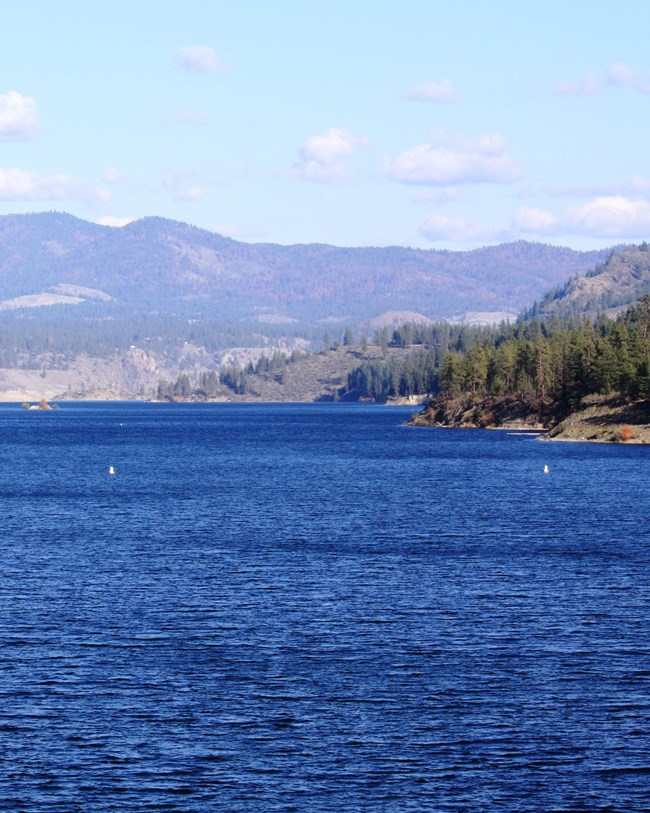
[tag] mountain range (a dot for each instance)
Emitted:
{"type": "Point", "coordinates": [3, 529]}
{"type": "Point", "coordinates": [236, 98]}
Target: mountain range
{"type": "Point", "coordinates": [159, 264]}
{"type": "Point", "coordinates": [96, 311]}
{"type": "Point", "coordinates": [608, 287]}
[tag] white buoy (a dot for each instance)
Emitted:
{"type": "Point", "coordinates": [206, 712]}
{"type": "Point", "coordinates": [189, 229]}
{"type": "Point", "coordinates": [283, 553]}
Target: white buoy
{"type": "Point", "coordinates": [546, 469]}
{"type": "Point", "coordinates": [111, 470]}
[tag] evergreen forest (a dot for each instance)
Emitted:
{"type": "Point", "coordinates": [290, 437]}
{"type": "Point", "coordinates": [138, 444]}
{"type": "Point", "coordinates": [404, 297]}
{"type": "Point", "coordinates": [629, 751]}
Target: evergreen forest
{"type": "Point", "coordinates": [557, 359]}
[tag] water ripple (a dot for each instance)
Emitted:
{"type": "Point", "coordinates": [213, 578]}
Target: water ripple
{"type": "Point", "coordinates": [313, 609]}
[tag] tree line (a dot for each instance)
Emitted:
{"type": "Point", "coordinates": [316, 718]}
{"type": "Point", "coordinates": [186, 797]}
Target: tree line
{"type": "Point", "coordinates": [558, 359]}
{"type": "Point", "coordinates": [418, 372]}
{"type": "Point", "coordinates": [231, 377]}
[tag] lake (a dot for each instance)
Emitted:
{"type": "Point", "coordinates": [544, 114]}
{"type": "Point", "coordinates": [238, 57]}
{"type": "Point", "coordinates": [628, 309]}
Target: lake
{"type": "Point", "coordinates": [316, 608]}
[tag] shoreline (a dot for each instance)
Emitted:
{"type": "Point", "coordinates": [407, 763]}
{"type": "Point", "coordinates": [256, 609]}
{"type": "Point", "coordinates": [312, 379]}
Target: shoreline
{"type": "Point", "coordinates": [599, 419]}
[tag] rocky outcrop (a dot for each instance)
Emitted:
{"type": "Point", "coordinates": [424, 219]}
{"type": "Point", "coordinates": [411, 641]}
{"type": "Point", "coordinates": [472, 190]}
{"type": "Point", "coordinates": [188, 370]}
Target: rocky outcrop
{"type": "Point", "coordinates": [606, 419]}
{"type": "Point", "coordinates": [600, 418]}
{"type": "Point", "coordinates": [134, 374]}
{"type": "Point", "coordinates": [506, 412]}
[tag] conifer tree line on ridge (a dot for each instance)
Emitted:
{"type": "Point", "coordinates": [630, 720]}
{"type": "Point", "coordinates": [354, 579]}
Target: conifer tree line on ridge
{"type": "Point", "coordinates": [558, 359]}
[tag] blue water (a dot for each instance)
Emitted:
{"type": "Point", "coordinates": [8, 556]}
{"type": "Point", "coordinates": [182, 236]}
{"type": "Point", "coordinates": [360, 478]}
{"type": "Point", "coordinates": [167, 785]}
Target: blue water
{"type": "Point", "coordinates": [315, 608]}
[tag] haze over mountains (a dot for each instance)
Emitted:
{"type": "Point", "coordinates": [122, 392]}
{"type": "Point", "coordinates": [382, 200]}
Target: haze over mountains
{"type": "Point", "coordinates": [160, 264]}
{"type": "Point", "coordinates": [92, 310]}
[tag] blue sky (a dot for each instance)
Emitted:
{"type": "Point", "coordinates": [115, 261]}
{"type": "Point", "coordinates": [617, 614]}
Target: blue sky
{"type": "Point", "coordinates": [364, 122]}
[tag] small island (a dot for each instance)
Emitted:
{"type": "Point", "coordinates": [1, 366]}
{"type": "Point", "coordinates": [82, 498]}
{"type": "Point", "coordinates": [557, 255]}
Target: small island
{"type": "Point", "coordinates": [42, 404]}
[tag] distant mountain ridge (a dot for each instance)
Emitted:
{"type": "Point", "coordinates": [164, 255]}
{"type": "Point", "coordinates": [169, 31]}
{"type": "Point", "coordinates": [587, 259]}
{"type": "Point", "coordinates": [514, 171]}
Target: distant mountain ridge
{"type": "Point", "coordinates": [165, 265]}
{"type": "Point", "coordinates": [620, 281]}
{"type": "Point", "coordinates": [90, 311]}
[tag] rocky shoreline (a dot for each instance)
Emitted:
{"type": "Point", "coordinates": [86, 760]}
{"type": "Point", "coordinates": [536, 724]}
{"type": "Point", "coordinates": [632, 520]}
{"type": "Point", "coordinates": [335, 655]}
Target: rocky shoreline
{"type": "Point", "coordinates": [486, 412]}
{"type": "Point", "coordinates": [606, 420]}
{"type": "Point", "coordinates": [600, 419]}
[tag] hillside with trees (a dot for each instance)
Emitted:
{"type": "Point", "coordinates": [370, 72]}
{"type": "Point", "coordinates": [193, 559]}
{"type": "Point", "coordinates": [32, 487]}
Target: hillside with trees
{"type": "Point", "coordinates": [620, 281]}
{"type": "Point", "coordinates": [281, 377]}
{"type": "Point", "coordinates": [154, 266]}
{"type": "Point", "coordinates": [159, 308]}
{"type": "Point", "coordinates": [544, 371]}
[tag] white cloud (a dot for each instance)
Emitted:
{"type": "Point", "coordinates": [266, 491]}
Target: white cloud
{"type": "Point", "coordinates": [604, 216]}
{"type": "Point", "coordinates": [618, 73]}
{"type": "Point", "coordinates": [640, 184]}
{"type": "Point", "coordinates": [176, 183]}
{"type": "Point", "coordinates": [200, 59]}
{"type": "Point", "coordinates": [534, 221]}
{"type": "Point", "coordinates": [481, 160]}
{"type": "Point", "coordinates": [321, 155]}
{"type": "Point", "coordinates": [441, 91]}
{"type": "Point", "coordinates": [18, 117]}
{"type": "Point", "coordinates": [190, 193]}
{"type": "Point", "coordinates": [489, 144]}
{"type": "Point", "coordinates": [336, 143]}
{"type": "Point", "coordinates": [230, 230]}
{"type": "Point", "coordinates": [439, 227]}
{"type": "Point", "coordinates": [17, 184]}
{"type": "Point", "coordinates": [614, 216]}
{"type": "Point", "coordinates": [114, 175]}
{"type": "Point", "coordinates": [115, 222]}
{"type": "Point", "coordinates": [585, 87]}
{"type": "Point", "coordinates": [320, 173]}
{"type": "Point", "coordinates": [95, 197]}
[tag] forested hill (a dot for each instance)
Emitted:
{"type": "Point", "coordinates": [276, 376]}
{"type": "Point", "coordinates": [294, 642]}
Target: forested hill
{"type": "Point", "coordinates": [620, 281]}
{"type": "Point", "coordinates": [160, 264]}
{"type": "Point", "coordinates": [548, 372]}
